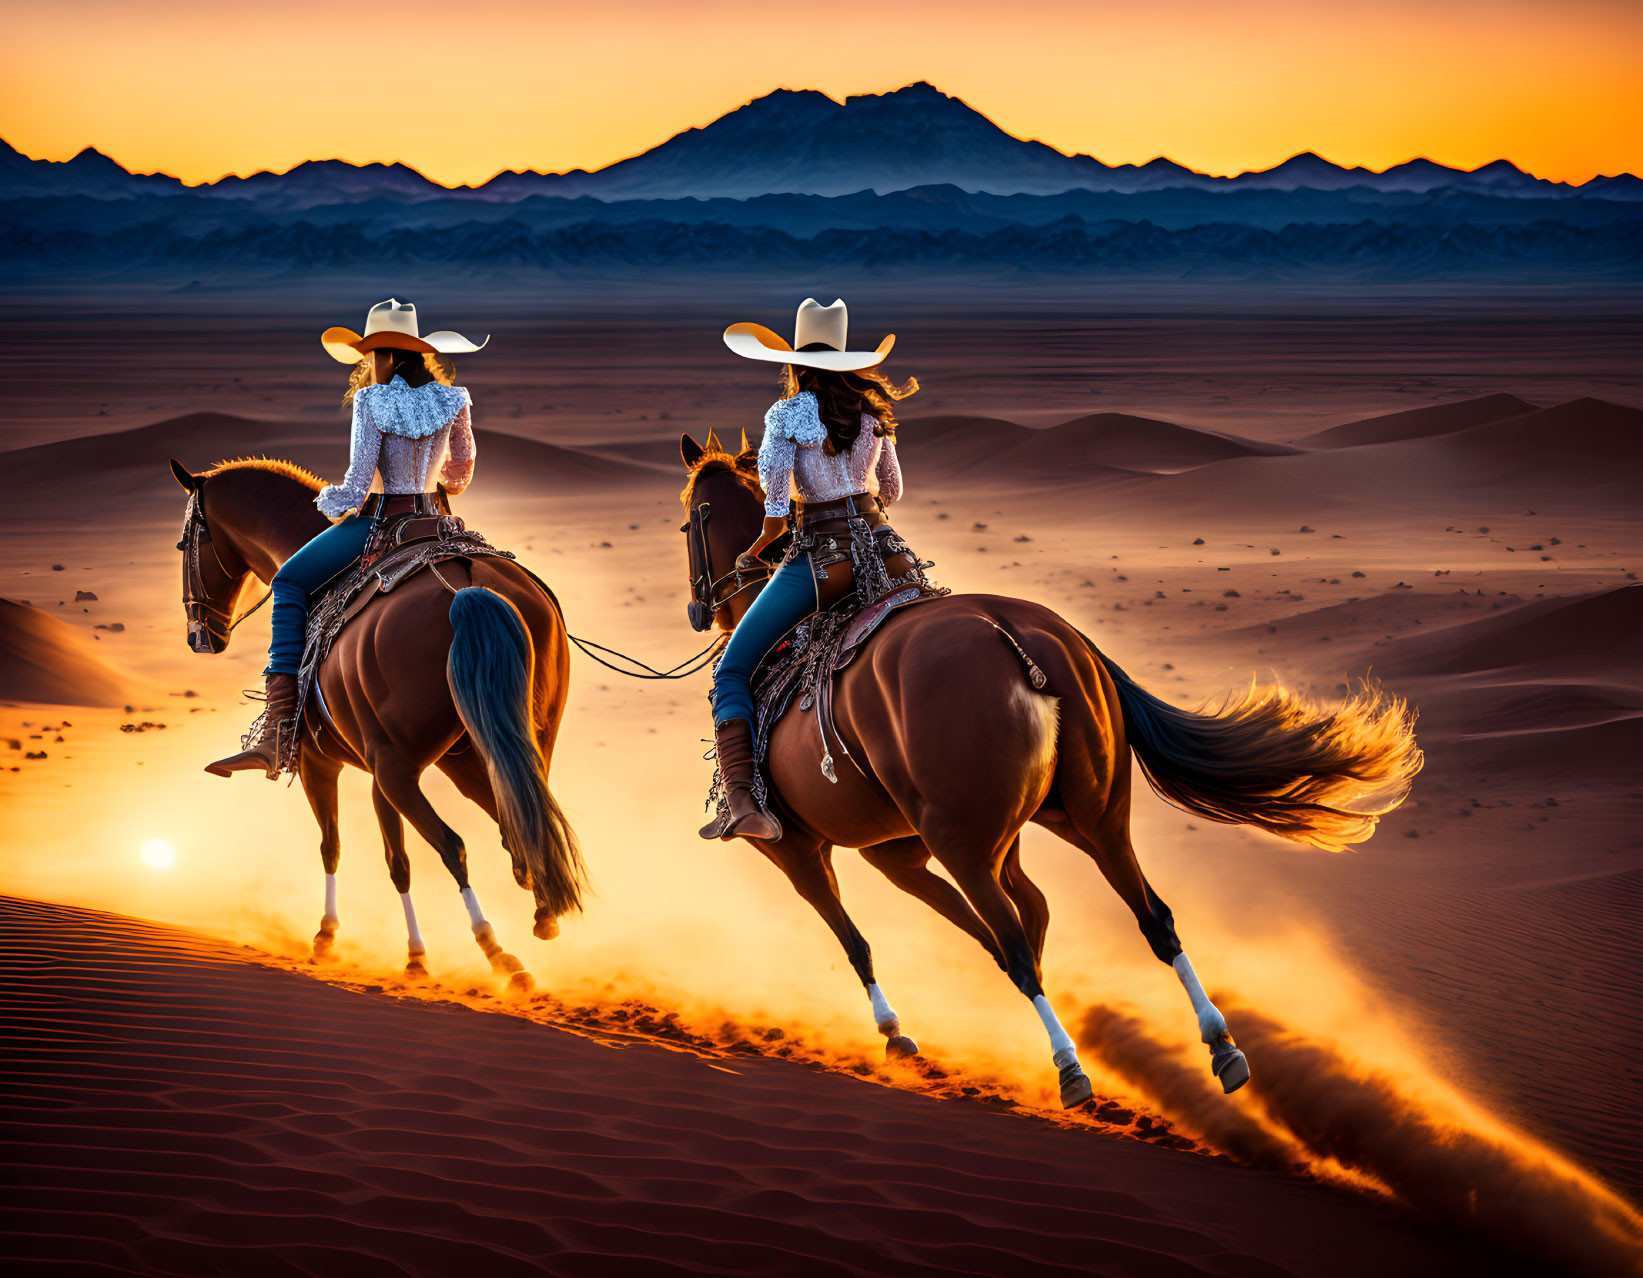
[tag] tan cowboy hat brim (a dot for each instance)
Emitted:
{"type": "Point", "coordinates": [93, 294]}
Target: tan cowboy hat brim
{"type": "Point", "coordinates": [348, 347]}
{"type": "Point", "coordinates": [755, 341]}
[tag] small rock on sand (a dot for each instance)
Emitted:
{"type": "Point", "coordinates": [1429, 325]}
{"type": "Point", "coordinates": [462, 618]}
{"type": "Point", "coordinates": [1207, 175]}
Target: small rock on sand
{"type": "Point", "coordinates": [84, 596]}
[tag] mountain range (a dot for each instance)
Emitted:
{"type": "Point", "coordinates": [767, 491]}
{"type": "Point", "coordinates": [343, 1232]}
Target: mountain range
{"type": "Point", "coordinates": [801, 142]}
{"type": "Point", "coordinates": [910, 181]}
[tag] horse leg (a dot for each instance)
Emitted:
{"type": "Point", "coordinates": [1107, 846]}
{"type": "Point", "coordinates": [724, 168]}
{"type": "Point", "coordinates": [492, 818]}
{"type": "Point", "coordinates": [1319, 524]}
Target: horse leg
{"type": "Point", "coordinates": [905, 862]}
{"type": "Point", "coordinates": [399, 870]}
{"type": "Point", "coordinates": [398, 781]}
{"type": "Point", "coordinates": [467, 772]}
{"type": "Point", "coordinates": [319, 783]}
{"type": "Point", "coordinates": [1104, 835]}
{"type": "Point", "coordinates": [976, 870]}
{"type": "Point", "coordinates": [810, 870]}
{"type": "Point", "coordinates": [1029, 902]}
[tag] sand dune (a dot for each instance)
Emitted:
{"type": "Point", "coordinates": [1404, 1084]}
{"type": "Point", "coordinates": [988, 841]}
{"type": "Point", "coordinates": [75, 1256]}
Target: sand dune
{"type": "Point", "coordinates": [1544, 689]}
{"type": "Point", "coordinates": [1592, 447]}
{"type": "Point", "coordinates": [1083, 448]}
{"type": "Point", "coordinates": [1550, 638]}
{"type": "Point", "coordinates": [1418, 423]}
{"type": "Point", "coordinates": [123, 468]}
{"type": "Point", "coordinates": [1585, 455]}
{"type": "Point", "coordinates": [176, 1099]}
{"type": "Point", "coordinates": [1143, 444]}
{"type": "Point", "coordinates": [46, 660]}
{"type": "Point", "coordinates": [125, 471]}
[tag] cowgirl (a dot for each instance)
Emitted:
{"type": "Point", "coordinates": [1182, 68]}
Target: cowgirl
{"type": "Point", "coordinates": [830, 444]}
{"type": "Point", "coordinates": [411, 426]}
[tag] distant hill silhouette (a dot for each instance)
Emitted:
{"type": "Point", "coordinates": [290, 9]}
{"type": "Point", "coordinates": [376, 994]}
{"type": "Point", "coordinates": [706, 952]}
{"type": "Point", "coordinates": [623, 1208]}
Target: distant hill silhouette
{"type": "Point", "coordinates": [804, 142]}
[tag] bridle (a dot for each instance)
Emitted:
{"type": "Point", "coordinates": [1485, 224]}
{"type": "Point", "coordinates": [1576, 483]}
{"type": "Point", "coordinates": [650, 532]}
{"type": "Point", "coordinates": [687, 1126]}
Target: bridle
{"type": "Point", "coordinates": [206, 621]}
{"type": "Point", "coordinates": [705, 600]}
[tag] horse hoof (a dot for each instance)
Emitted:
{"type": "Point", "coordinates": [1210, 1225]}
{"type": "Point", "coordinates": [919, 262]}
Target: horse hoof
{"type": "Point", "coordinates": [547, 927]}
{"type": "Point", "coordinates": [521, 982]}
{"type": "Point", "coordinates": [900, 1048]}
{"type": "Point", "coordinates": [323, 944]}
{"type": "Point", "coordinates": [1228, 1064]}
{"type": "Point", "coordinates": [1075, 1087]}
{"type": "Point", "coordinates": [505, 964]}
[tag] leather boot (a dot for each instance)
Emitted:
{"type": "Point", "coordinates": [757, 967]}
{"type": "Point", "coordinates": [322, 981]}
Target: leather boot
{"type": "Point", "coordinates": [280, 700]}
{"type": "Point", "coordinates": [733, 742]}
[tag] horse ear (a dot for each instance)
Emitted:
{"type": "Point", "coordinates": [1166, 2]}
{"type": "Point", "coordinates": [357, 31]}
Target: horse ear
{"type": "Point", "coordinates": [188, 481]}
{"type": "Point", "coordinates": [745, 445]}
{"type": "Point", "coordinates": [689, 449]}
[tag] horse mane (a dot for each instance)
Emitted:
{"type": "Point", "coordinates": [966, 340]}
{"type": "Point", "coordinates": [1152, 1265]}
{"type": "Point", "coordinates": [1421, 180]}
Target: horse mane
{"type": "Point", "coordinates": [717, 461]}
{"type": "Point", "coordinates": [272, 466]}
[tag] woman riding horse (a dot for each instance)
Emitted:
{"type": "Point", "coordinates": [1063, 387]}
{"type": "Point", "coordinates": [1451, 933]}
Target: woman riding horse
{"type": "Point", "coordinates": [412, 426]}
{"type": "Point", "coordinates": [831, 440]}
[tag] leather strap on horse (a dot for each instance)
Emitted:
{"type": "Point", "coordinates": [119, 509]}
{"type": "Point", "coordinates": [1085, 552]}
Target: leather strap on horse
{"type": "Point", "coordinates": [700, 661]}
{"type": "Point", "coordinates": [196, 532]}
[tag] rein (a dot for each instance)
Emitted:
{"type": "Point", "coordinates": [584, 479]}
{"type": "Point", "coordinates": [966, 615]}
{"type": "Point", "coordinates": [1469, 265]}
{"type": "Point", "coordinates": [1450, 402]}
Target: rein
{"type": "Point", "coordinates": [698, 662]}
{"type": "Point", "coordinates": [705, 601]}
{"type": "Point", "coordinates": [200, 611]}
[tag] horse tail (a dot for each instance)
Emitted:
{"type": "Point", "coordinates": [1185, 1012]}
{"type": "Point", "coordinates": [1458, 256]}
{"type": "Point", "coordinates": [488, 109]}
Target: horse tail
{"type": "Point", "coordinates": [1272, 759]}
{"type": "Point", "coordinates": [490, 673]}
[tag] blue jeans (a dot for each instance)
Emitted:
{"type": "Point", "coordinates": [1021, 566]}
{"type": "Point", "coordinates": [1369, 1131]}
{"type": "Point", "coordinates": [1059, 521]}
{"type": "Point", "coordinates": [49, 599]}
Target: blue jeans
{"type": "Point", "coordinates": [302, 574]}
{"type": "Point", "coordinates": [788, 598]}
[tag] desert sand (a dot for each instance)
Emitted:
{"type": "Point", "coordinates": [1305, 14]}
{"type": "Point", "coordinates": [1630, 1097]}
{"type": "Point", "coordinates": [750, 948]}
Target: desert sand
{"type": "Point", "coordinates": [1436, 1021]}
{"type": "Point", "coordinates": [185, 1108]}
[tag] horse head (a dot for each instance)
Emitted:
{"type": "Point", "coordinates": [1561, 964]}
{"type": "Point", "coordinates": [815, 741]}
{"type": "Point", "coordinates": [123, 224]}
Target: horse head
{"type": "Point", "coordinates": [724, 510]}
{"type": "Point", "coordinates": [236, 528]}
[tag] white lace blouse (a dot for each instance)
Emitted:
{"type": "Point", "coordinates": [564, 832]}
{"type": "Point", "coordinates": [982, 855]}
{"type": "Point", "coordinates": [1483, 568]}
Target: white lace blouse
{"type": "Point", "coordinates": [793, 461]}
{"type": "Point", "coordinates": [414, 438]}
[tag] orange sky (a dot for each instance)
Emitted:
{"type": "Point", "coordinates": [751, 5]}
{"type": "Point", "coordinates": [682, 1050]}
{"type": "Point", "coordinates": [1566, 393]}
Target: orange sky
{"type": "Point", "coordinates": [199, 89]}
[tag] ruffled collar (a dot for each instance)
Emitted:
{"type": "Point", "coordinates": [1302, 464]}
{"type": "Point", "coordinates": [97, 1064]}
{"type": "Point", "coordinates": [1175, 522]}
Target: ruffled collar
{"type": "Point", "coordinates": [398, 408]}
{"type": "Point", "coordinates": [798, 418]}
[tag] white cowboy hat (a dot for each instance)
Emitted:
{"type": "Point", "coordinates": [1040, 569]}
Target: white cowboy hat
{"type": "Point", "coordinates": [391, 325]}
{"type": "Point", "coordinates": [815, 324]}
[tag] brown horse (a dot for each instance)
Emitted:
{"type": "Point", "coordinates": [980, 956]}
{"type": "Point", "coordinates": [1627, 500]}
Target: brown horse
{"type": "Point", "coordinates": [473, 684]}
{"type": "Point", "coordinates": [969, 716]}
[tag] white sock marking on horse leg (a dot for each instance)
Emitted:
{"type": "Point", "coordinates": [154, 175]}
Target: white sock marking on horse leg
{"type": "Point", "coordinates": [413, 936]}
{"type": "Point", "coordinates": [1061, 1043]}
{"type": "Point", "coordinates": [476, 916]}
{"type": "Point", "coordinates": [330, 920]}
{"type": "Point", "coordinates": [1211, 1024]}
{"type": "Point", "coordinates": [884, 1015]}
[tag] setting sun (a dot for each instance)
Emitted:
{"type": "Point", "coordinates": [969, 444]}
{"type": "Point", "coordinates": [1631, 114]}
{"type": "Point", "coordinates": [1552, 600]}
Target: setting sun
{"type": "Point", "coordinates": [157, 854]}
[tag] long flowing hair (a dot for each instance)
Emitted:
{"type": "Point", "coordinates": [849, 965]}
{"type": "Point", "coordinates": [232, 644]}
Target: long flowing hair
{"type": "Point", "coordinates": [417, 370]}
{"type": "Point", "coordinates": [842, 398]}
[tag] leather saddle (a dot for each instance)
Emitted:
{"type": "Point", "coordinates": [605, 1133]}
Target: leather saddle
{"type": "Point", "coordinates": [808, 660]}
{"type": "Point", "coordinates": [803, 665]}
{"type": "Point", "coordinates": [402, 545]}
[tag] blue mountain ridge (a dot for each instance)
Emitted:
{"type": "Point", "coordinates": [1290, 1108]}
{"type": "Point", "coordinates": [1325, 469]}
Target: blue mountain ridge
{"type": "Point", "coordinates": [796, 141]}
